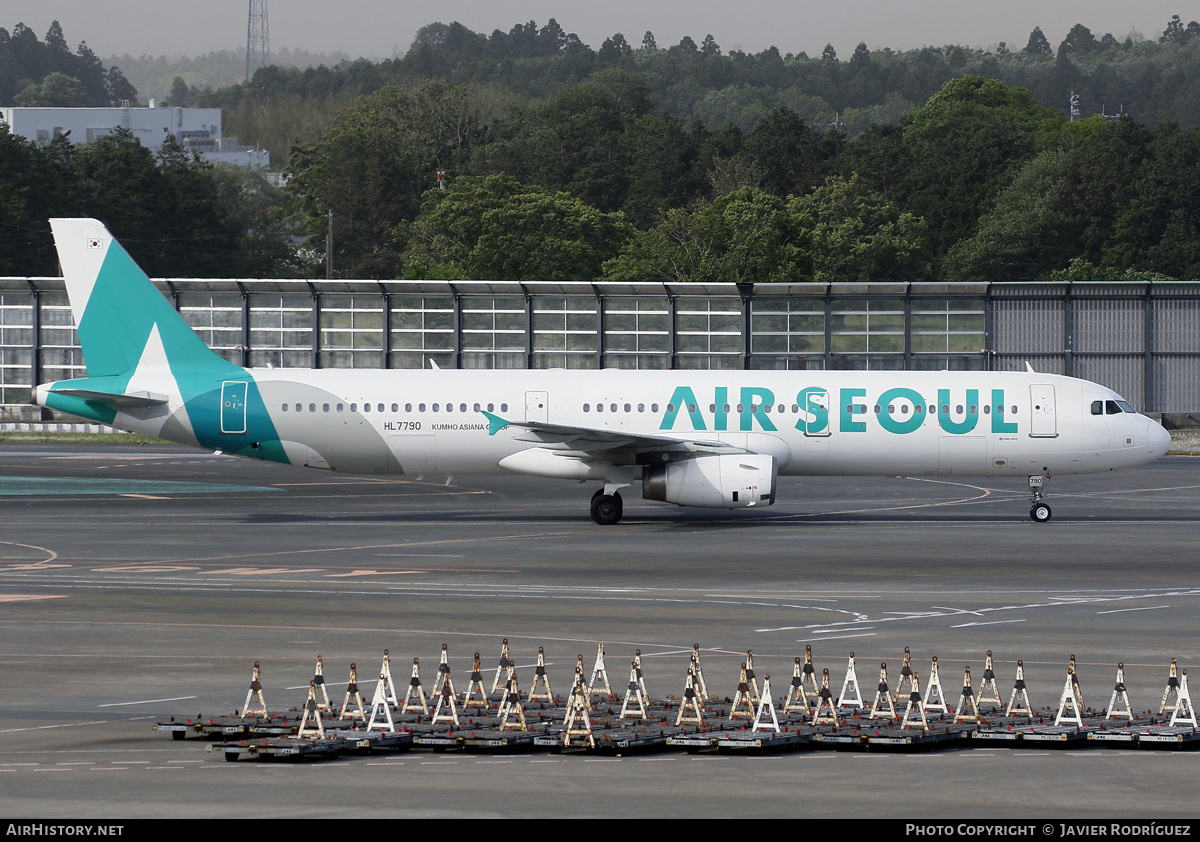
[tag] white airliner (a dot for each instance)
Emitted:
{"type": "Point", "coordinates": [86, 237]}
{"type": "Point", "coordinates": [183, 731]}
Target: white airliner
{"type": "Point", "coordinates": [713, 439]}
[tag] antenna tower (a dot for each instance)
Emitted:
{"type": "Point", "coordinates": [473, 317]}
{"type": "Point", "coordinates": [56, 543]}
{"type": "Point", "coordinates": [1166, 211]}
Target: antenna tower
{"type": "Point", "coordinates": [258, 40]}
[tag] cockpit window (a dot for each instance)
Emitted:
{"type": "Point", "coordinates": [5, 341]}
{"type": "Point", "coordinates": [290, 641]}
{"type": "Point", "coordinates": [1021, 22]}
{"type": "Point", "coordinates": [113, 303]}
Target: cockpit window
{"type": "Point", "coordinates": [1111, 407]}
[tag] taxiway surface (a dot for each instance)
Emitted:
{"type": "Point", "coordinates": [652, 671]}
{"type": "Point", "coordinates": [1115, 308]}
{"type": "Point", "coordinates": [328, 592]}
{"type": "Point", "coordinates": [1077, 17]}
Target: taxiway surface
{"type": "Point", "coordinates": [142, 582]}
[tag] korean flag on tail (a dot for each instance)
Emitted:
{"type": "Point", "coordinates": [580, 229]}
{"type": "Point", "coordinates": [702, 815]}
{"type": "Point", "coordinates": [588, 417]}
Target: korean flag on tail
{"type": "Point", "coordinates": [95, 243]}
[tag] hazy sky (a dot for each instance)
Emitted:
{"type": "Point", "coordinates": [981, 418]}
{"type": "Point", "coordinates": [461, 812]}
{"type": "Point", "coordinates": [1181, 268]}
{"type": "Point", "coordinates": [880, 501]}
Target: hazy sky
{"type": "Point", "coordinates": [380, 27]}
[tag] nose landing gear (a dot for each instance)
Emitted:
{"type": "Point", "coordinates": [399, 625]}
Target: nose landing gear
{"type": "Point", "coordinates": [1039, 512]}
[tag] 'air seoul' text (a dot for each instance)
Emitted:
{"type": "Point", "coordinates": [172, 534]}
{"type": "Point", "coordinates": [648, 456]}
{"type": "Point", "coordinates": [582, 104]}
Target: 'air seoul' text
{"type": "Point", "coordinates": [900, 410]}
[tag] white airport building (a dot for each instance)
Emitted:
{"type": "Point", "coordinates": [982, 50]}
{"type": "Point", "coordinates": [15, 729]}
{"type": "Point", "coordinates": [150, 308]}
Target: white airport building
{"type": "Point", "coordinates": [197, 129]}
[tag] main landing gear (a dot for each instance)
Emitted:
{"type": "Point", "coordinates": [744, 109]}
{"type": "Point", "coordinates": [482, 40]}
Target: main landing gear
{"type": "Point", "coordinates": [606, 508]}
{"type": "Point", "coordinates": [1039, 512]}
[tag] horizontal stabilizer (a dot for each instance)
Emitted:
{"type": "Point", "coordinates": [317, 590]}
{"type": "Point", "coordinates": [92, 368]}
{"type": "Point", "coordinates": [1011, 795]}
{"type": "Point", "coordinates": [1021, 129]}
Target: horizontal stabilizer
{"type": "Point", "coordinates": [134, 399]}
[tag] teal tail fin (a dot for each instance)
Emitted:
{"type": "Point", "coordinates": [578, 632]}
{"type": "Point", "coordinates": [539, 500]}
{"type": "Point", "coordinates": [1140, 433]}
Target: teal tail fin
{"type": "Point", "coordinates": [117, 308]}
{"type": "Point", "coordinates": [146, 369]}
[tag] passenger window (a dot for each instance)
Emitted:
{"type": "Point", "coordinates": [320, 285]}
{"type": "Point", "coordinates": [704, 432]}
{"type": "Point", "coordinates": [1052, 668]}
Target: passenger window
{"type": "Point", "coordinates": [285, 407]}
{"type": "Point", "coordinates": [654, 407]}
{"type": "Point", "coordinates": [298, 407]}
{"type": "Point", "coordinates": [339, 407]}
{"type": "Point", "coordinates": [379, 408]}
{"type": "Point", "coordinates": [435, 407]}
{"type": "Point", "coordinates": [627, 407]}
{"type": "Point", "coordinates": [476, 408]}
{"type": "Point", "coordinates": [324, 407]}
{"type": "Point", "coordinates": [462, 407]}
{"type": "Point", "coordinates": [354, 407]}
{"type": "Point", "coordinates": [491, 407]}
{"type": "Point", "coordinates": [366, 407]}
{"type": "Point", "coordinates": [599, 407]}
{"type": "Point", "coordinates": [408, 407]}
{"type": "Point", "coordinates": [504, 407]}
{"type": "Point", "coordinates": [670, 408]}
{"type": "Point", "coordinates": [641, 407]}
{"type": "Point", "coordinates": [587, 407]}
{"type": "Point", "coordinates": [421, 407]}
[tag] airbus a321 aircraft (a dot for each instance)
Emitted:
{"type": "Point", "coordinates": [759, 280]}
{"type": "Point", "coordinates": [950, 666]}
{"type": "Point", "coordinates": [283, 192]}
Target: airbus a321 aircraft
{"type": "Point", "coordinates": [713, 439]}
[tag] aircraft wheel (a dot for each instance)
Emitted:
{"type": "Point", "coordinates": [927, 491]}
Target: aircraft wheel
{"type": "Point", "coordinates": [1040, 512]}
{"type": "Point", "coordinates": [606, 509]}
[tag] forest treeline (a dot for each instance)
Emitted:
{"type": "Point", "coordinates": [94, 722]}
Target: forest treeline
{"type": "Point", "coordinates": [45, 72]}
{"type": "Point", "coordinates": [1153, 79]}
{"type": "Point", "coordinates": [561, 162]}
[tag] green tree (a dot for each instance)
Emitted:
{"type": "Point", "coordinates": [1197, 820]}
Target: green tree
{"type": "Point", "coordinates": [859, 235]}
{"type": "Point", "coordinates": [747, 236]}
{"type": "Point", "coordinates": [789, 152]}
{"type": "Point", "coordinates": [1038, 45]}
{"type": "Point", "coordinates": [961, 148]}
{"type": "Point", "coordinates": [1079, 41]}
{"type": "Point", "coordinates": [57, 90]}
{"type": "Point", "coordinates": [1034, 228]}
{"type": "Point", "coordinates": [578, 141]}
{"type": "Point", "coordinates": [495, 229]}
{"type": "Point", "coordinates": [1112, 195]}
{"type": "Point", "coordinates": [36, 186]}
{"type": "Point", "coordinates": [374, 162]}
{"type": "Point", "coordinates": [254, 212]}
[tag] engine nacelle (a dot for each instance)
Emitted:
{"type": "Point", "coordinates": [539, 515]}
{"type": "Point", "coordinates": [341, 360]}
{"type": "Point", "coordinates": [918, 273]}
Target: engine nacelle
{"type": "Point", "coordinates": [715, 482]}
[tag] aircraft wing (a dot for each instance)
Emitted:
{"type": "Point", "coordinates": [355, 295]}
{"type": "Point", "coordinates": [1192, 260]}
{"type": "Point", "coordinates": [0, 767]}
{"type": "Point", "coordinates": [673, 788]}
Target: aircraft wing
{"type": "Point", "coordinates": [589, 442]}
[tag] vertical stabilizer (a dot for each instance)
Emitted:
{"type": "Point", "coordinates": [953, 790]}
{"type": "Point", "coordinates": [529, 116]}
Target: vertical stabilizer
{"type": "Point", "coordinates": [116, 307]}
{"type": "Point", "coordinates": [147, 371]}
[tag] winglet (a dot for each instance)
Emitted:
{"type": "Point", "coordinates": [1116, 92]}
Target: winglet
{"type": "Point", "coordinates": [1029, 368]}
{"type": "Point", "coordinates": [495, 422]}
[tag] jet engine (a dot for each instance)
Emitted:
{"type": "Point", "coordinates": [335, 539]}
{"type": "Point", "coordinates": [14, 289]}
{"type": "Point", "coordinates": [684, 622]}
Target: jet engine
{"type": "Point", "coordinates": [733, 481]}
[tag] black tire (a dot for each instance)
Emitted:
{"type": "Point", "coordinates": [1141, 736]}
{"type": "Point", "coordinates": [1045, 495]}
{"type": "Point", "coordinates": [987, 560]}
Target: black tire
{"type": "Point", "coordinates": [1040, 513]}
{"type": "Point", "coordinates": [606, 509]}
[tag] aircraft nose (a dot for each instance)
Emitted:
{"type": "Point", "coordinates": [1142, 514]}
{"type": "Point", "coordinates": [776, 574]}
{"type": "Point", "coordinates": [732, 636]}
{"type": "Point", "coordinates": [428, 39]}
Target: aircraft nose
{"type": "Point", "coordinates": [1158, 438]}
